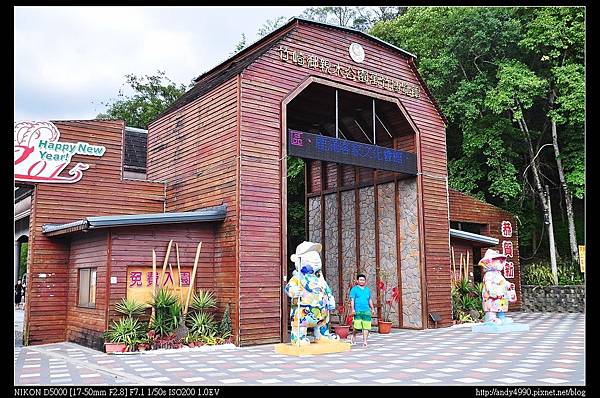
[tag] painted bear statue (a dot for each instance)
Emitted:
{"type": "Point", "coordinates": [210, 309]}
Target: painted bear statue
{"type": "Point", "coordinates": [497, 292]}
{"type": "Point", "coordinates": [312, 299]}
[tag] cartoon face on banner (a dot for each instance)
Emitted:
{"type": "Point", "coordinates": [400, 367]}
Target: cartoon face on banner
{"type": "Point", "coordinates": [40, 157]}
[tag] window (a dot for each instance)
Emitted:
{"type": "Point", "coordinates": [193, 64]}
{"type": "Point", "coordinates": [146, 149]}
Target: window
{"type": "Point", "coordinates": [87, 287]}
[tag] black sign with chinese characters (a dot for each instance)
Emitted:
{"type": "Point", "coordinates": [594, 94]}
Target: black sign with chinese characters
{"type": "Point", "coordinates": [330, 149]}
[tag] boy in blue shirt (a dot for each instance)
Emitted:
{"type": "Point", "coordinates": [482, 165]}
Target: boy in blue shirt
{"type": "Point", "coordinates": [362, 308]}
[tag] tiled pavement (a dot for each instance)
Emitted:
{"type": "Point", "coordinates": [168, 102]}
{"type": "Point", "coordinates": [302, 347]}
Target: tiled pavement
{"type": "Point", "coordinates": [552, 352]}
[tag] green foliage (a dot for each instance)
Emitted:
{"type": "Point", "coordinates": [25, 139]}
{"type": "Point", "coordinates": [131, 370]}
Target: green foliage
{"type": "Point", "coordinates": [240, 46]}
{"type": "Point", "coordinates": [203, 299]}
{"type": "Point", "coordinates": [152, 95]}
{"type": "Point", "coordinates": [126, 330]}
{"type": "Point", "coordinates": [167, 314]}
{"type": "Point", "coordinates": [490, 68]}
{"type": "Point", "coordinates": [466, 298]}
{"type": "Point", "coordinates": [295, 199]}
{"type": "Point", "coordinates": [540, 274]}
{"type": "Point", "coordinates": [202, 323]}
{"type": "Point", "coordinates": [23, 259]}
{"type": "Point", "coordinates": [130, 308]}
{"type": "Point", "coordinates": [225, 324]}
{"type": "Point", "coordinates": [516, 89]}
{"type": "Point", "coordinates": [270, 25]}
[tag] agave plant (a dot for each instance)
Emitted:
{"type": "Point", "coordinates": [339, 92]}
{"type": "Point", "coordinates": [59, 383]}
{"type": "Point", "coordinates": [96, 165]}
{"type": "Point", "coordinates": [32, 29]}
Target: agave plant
{"type": "Point", "coordinates": [203, 299]}
{"type": "Point", "coordinates": [202, 323]}
{"type": "Point", "coordinates": [125, 330]}
{"type": "Point", "coordinates": [163, 299]}
{"type": "Point", "coordinates": [167, 312]}
{"type": "Point", "coordinates": [130, 308]}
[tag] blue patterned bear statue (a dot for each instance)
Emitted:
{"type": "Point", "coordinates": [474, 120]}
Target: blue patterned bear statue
{"type": "Point", "coordinates": [312, 299]}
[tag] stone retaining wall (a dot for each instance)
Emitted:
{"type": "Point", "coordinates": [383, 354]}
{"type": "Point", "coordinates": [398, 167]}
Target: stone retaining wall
{"type": "Point", "coordinates": [566, 298]}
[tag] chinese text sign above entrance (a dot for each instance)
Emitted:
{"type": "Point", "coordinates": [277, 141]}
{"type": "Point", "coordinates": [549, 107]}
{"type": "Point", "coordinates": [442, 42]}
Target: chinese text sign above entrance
{"type": "Point", "coordinates": [321, 147]}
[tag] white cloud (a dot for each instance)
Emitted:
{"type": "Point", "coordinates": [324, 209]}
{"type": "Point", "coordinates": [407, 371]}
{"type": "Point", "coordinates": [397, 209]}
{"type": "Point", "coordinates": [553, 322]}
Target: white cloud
{"type": "Point", "coordinates": [67, 57]}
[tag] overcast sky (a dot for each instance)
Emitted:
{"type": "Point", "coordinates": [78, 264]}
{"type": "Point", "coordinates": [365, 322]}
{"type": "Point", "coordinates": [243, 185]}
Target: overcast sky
{"type": "Point", "coordinates": [70, 59]}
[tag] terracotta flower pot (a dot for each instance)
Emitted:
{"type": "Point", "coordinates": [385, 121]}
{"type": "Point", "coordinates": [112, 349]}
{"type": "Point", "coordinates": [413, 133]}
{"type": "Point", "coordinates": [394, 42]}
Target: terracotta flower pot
{"type": "Point", "coordinates": [384, 327]}
{"type": "Point", "coordinates": [342, 331]}
{"type": "Point", "coordinates": [114, 347]}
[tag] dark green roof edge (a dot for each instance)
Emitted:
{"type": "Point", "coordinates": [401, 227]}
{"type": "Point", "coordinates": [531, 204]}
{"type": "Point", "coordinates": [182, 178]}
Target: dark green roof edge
{"type": "Point", "coordinates": [216, 213]}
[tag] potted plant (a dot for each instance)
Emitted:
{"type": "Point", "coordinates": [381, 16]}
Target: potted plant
{"type": "Point", "coordinates": [390, 297]}
{"type": "Point", "coordinates": [343, 329]}
{"type": "Point", "coordinates": [123, 335]}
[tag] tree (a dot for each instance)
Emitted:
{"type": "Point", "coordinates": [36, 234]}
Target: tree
{"type": "Point", "coordinates": [152, 95]}
{"type": "Point", "coordinates": [359, 18]}
{"type": "Point", "coordinates": [511, 82]}
{"type": "Point", "coordinates": [556, 37]}
{"type": "Point", "coordinates": [271, 25]}
{"type": "Point", "coordinates": [240, 46]}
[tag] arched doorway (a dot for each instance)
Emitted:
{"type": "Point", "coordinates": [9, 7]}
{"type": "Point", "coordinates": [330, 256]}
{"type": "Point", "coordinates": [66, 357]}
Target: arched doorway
{"type": "Point", "coordinates": [360, 214]}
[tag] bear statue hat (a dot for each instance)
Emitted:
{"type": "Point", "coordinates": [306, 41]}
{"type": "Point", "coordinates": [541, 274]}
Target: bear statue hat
{"type": "Point", "coordinates": [304, 248]}
{"type": "Point", "coordinates": [490, 255]}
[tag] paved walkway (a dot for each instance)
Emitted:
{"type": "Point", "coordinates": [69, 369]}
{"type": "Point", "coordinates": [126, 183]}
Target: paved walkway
{"type": "Point", "coordinates": [19, 316]}
{"type": "Point", "coordinates": [552, 352]}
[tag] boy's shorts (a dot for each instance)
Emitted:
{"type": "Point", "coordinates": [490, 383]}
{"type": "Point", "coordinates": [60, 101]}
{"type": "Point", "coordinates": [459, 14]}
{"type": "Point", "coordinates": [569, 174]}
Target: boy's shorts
{"type": "Point", "coordinates": [362, 320]}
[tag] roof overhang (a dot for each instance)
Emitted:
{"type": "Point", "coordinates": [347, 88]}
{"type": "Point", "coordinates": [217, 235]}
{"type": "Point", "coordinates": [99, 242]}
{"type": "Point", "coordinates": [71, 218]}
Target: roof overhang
{"type": "Point", "coordinates": [480, 240]}
{"type": "Point", "coordinates": [216, 213]}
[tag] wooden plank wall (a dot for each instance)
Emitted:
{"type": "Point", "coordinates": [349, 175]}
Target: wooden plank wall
{"type": "Point", "coordinates": [194, 150]}
{"type": "Point", "coordinates": [132, 246]}
{"type": "Point", "coordinates": [93, 195]}
{"type": "Point", "coordinates": [85, 325]}
{"type": "Point", "coordinates": [468, 209]}
{"type": "Point", "coordinates": [265, 84]}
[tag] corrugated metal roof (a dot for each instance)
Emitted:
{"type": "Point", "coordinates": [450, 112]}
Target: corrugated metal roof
{"type": "Point", "coordinates": [455, 233]}
{"type": "Point", "coordinates": [216, 213]}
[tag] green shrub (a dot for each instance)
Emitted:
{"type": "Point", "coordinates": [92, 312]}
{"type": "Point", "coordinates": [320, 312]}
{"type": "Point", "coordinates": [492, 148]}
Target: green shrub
{"type": "Point", "coordinates": [168, 312]}
{"type": "Point", "coordinates": [203, 299]}
{"type": "Point", "coordinates": [225, 325]}
{"type": "Point", "coordinates": [569, 274]}
{"type": "Point", "coordinates": [126, 330]}
{"type": "Point", "coordinates": [466, 298]}
{"type": "Point", "coordinates": [540, 274]}
{"type": "Point", "coordinates": [130, 308]}
{"type": "Point", "coordinates": [202, 323]}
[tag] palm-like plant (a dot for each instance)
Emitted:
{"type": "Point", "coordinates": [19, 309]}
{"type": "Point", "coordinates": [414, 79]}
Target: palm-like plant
{"type": "Point", "coordinates": [130, 308]}
{"type": "Point", "coordinates": [168, 312]}
{"type": "Point", "coordinates": [203, 299]}
{"type": "Point", "coordinates": [125, 330]}
{"type": "Point", "coordinates": [202, 323]}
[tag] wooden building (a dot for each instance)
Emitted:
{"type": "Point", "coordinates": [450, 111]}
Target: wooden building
{"type": "Point", "coordinates": [223, 145]}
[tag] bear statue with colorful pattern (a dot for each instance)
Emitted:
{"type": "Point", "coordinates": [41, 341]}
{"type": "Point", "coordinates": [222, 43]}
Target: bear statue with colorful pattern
{"type": "Point", "coordinates": [312, 299]}
{"type": "Point", "coordinates": [497, 292]}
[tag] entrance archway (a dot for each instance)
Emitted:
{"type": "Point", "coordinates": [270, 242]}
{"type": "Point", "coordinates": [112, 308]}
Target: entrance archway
{"type": "Point", "coordinates": [361, 215]}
